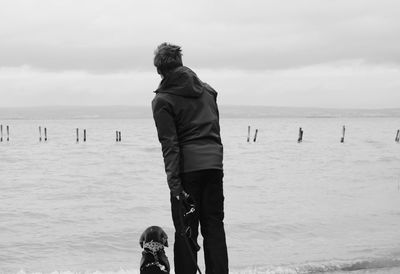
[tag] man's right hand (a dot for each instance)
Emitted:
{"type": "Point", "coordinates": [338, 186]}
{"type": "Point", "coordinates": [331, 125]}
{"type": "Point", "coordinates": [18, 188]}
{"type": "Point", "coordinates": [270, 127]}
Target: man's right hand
{"type": "Point", "coordinates": [182, 196]}
{"type": "Point", "coordinates": [188, 204]}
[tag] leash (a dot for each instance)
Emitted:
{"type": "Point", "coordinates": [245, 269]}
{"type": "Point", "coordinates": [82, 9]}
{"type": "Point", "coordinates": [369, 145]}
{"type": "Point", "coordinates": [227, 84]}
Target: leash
{"type": "Point", "coordinates": [184, 234]}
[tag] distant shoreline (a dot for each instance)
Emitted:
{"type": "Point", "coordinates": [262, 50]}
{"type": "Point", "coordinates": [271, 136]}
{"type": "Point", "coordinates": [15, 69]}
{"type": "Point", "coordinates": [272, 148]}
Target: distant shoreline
{"type": "Point", "coordinates": [226, 112]}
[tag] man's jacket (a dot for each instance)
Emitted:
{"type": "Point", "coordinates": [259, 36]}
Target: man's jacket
{"type": "Point", "coordinates": [186, 116]}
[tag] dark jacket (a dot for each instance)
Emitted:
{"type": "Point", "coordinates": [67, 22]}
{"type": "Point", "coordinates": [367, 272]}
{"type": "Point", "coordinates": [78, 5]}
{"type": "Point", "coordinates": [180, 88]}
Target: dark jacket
{"type": "Point", "coordinates": [186, 115]}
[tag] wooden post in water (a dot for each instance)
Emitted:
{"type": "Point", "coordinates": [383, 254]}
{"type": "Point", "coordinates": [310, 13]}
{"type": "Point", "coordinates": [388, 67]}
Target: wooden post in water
{"type": "Point", "coordinates": [8, 133]}
{"type": "Point", "coordinates": [116, 136]}
{"type": "Point", "coordinates": [397, 136]}
{"type": "Point", "coordinates": [248, 134]}
{"type": "Point", "coordinates": [1, 133]}
{"type": "Point", "coordinates": [119, 136]}
{"type": "Point", "coordinates": [40, 133]}
{"type": "Point", "coordinates": [84, 135]}
{"type": "Point", "coordinates": [300, 139]}
{"type": "Point", "coordinates": [344, 130]}
{"type": "Point", "coordinates": [77, 135]}
{"type": "Point", "coordinates": [255, 135]}
{"type": "Point", "coordinates": [45, 134]}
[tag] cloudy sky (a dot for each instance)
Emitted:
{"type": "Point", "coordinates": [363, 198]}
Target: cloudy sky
{"type": "Point", "coordinates": [305, 53]}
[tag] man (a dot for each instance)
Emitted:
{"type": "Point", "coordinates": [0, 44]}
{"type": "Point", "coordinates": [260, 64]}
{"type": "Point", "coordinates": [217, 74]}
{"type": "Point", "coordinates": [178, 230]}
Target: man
{"type": "Point", "coordinates": [186, 115]}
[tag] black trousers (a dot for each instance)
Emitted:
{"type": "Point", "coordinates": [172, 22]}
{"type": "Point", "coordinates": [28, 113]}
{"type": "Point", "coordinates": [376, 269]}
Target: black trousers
{"type": "Point", "coordinates": [206, 188]}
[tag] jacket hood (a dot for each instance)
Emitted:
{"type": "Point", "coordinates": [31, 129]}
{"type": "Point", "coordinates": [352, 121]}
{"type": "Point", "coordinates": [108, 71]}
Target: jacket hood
{"type": "Point", "coordinates": [181, 81]}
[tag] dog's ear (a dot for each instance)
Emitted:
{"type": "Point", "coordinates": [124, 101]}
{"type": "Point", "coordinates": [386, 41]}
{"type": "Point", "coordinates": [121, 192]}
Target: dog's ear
{"type": "Point", "coordinates": [164, 238]}
{"type": "Point", "coordinates": [142, 238]}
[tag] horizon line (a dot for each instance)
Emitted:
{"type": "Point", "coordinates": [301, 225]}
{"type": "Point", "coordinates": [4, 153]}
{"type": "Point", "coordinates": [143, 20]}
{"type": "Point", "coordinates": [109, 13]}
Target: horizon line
{"type": "Point", "coordinates": [220, 105]}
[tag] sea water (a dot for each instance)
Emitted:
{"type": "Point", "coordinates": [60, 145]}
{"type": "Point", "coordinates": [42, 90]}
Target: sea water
{"type": "Point", "coordinates": [311, 207]}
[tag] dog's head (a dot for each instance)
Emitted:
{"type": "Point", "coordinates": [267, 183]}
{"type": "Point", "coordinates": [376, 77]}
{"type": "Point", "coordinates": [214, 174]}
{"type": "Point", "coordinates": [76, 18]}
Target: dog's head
{"type": "Point", "coordinates": [155, 234]}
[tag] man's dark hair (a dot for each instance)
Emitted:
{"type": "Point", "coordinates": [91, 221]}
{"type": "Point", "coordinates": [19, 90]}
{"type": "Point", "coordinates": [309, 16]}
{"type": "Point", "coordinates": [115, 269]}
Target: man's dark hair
{"type": "Point", "coordinates": [167, 57]}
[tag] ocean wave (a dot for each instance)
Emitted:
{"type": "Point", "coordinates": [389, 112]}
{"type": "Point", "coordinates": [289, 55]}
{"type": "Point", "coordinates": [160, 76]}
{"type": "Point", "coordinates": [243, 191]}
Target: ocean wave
{"type": "Point", "coordinates": [306, 268]}
{"type": "Point", "coordinates": [327, 267]}
{"type": "Point", "coordinates": [121, 271]}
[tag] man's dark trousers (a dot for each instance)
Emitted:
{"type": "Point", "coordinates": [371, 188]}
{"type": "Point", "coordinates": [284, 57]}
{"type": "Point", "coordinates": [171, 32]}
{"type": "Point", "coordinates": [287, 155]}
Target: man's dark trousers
{"type": "Point", "coordinates": [206, 188]}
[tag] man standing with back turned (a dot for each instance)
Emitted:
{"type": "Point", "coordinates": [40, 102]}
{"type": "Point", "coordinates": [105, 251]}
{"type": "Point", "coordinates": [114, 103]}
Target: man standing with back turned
{"type": "Point", "coordinates": [186, 115]}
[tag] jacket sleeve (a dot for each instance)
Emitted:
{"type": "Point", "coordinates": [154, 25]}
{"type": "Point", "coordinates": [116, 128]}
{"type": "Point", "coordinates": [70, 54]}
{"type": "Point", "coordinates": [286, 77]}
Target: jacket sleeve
{"type": "Point", "coordinates": [166, 129]}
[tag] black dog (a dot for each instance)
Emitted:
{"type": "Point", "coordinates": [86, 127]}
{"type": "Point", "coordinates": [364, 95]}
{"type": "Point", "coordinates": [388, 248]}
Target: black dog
{"type": "Point", "coordinates": [154, 260]}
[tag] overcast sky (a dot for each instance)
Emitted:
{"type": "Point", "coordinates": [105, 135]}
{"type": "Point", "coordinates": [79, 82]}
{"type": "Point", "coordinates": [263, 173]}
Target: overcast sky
{"type": "Point", "coordinates": [320, 53]}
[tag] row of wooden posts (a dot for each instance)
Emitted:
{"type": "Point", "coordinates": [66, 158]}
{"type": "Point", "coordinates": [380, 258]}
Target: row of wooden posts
{"type": "Point", "coordinates": [40, 134]}
{"type": "Point", "coordinates": [44, 137]}
{"type": "Point", "coordinates": [118, 135]}
{"type": "Point", "coordinates": [77, 135]}
{"type": "Point", "coordinates": [300, 139]}
{"type": "Point", "coordinates": [1, 133]}
{"type": "Point", "coordinates": [301, 132]}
